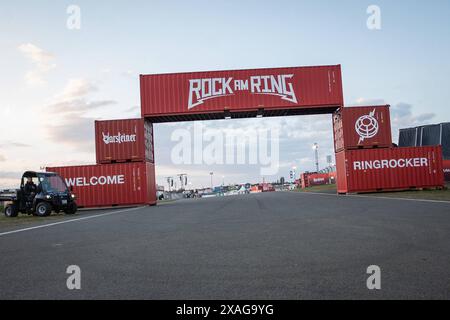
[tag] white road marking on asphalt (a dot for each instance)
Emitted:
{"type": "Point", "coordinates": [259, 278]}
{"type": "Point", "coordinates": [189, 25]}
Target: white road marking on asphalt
{"type": "Point", "coordinates": [67, 221]}
{"type": "Point", "coordinates": [375, 197]}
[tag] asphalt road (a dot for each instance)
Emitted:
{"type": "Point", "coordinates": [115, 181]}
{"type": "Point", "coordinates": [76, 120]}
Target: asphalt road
{"type": "Point", "coordinates": [262, 246]}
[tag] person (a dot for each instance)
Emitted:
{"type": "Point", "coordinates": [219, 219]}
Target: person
{"type": "Point", "coordinates": [30, 187]}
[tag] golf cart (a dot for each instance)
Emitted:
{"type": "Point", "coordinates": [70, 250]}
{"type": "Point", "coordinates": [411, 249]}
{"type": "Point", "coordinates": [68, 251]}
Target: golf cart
{"type": "Point", "coordinates": [51, 194]}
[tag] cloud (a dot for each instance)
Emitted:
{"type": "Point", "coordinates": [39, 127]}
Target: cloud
{"type": "Point", "coordinates": [72, 126]}
{"type": "Point", "coordinates": [10, 174]}
{"type": "Point", "coordinates": [9, 144]}
{"type": "Point", "coordinates": [133, 109]}
{"type": "Point", "coordinates": [75, 88]}
{"type": "Point", "coordinates": [77, 132]}
{"type": "Point", "coordinates": [42, 61]}
{"type": "Point", "coordinates": [77, 106]}
{"type": "Point", "coordinates": [129, 74]}
{"type": "Point", "coordinates": [401, 113]}
{"type": "Point", "coordinates": [402, 116]}
{"type": "Point", "coordinates": [367, 102]}
{"type": "Point", "coordinates": [10, 179]}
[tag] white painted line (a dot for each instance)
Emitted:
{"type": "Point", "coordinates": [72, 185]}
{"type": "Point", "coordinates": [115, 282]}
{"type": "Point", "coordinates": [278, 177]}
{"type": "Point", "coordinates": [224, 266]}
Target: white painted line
{"type": "Point", "coordinates": [374, 197]}
{"type": "Point", "coordinates": [66, 221]}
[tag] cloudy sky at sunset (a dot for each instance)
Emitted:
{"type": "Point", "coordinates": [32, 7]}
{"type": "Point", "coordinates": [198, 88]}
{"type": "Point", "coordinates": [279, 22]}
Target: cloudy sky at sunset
{"type": "Point", "coordinates": [54, 82]}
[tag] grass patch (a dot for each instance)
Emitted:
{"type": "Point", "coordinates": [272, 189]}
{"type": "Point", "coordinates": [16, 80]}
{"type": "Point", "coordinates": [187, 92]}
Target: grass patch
{"type": "Point", "coordinates": [328, 188]}
{"type": "Point", "coordinates": [25, 219]}
{"type": "Point", "coordinates": [443, 195]}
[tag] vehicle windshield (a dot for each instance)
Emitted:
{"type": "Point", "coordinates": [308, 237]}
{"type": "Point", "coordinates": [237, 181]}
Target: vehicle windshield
{"type": "Point", "coordinates": [52, 183]}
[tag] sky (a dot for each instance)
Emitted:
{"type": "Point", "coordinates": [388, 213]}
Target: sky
{"type": "Point", "coordinates": [55, 81]}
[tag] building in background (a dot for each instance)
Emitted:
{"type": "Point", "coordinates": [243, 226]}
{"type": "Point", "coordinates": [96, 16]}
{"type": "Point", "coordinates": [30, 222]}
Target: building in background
{"type": "Point", "coordinates": [429, 135]}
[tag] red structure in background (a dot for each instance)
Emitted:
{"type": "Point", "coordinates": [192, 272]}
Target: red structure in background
{"type": "Point", "coordinates": [123, 140]}
{"type": "Point", "coordinates": [226, 95]}
{"type": "Point", "coordinates": [117, 184]}
{"type": "Point", "coordinates": [125, 169]}
{"type": "Point", "coordinates": [362, 127]}
{"type": "Point", "coordinates": [241, 93]}
{"type": "Point", "coordinates": [316, 179]}
{"type": "Point", "coordinates": [364, 154]}
{"type": "Point", "coordinates": [382, 169]}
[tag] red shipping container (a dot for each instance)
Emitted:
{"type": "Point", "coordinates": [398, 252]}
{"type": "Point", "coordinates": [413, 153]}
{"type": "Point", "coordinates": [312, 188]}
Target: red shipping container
{"type": "Point", "coordinates": [446, 164]}
{"type": "Point", "coordinates": [362, 127]}
{"type": "Point", "coordinates": [115, 184]}
{"type": "Point", "coordinates": [124, 140]}
{"type": "Point", "coordinates": [316, 179]}
{"type": "Point", "coordinates": [304, 180]}
{"type": "Point", "coordinates": [370, 170]}
{"type": "Point", "coordinates": [273, 91]}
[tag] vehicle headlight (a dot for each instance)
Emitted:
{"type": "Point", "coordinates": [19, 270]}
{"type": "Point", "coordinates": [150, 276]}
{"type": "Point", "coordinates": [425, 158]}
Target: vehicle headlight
{"type": "Point", "coordinates": [72, 196]}
{"type": "Point", "coordinates": [48, 196]}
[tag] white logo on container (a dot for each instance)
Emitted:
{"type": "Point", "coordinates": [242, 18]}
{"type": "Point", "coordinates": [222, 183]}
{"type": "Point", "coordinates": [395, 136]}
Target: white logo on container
{"type": "Point", "coordinates": [366, 126]}
{"type": "Point", "coordinates": [119, 138]}
{"type": "Point", "coordinates": [94, 180]}
{"type": "Point", "coordinates": [201, 90]}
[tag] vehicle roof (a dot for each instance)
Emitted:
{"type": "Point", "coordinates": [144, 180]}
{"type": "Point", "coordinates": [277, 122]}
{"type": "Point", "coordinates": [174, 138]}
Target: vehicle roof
{"type": "Point", "coordinates": [36, 173]}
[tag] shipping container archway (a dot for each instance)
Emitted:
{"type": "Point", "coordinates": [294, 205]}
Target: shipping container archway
{"type": "Point", "coordinates": [237, 94]}
{"type": "Point", "coordinates": [125, 169]}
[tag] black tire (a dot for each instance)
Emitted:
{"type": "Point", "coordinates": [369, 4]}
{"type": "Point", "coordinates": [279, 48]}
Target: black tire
{"type": "Point", "coordinates": [11, 211]}
{"type": "Point", "coordinates": [71, 208]}
{"type": "Point", "coordinates": [43, 209]}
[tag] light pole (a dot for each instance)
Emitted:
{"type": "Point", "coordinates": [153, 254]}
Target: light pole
{"type": "Point", "coordinates": [170, 183]}
{"type": "Point", "coordinates": [211, 174]}
{"type": "Point", "coordinates": [316, 154]}
{"type": "Point", "coordinates": [329, 160]}
{"type": "Point", "coordinates": [183, 179]}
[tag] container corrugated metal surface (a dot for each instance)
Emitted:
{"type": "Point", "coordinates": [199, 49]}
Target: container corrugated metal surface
{"type": "Point", "coordinates": [362, 127]}
{"type": "Point", "coordinates": [123, 140]}
{"type": "Point", "coordinates": [304, 180]}
{"type": "Point", "coordinates": [110, 184]}
{"type": "Point", "coordinates": [378, 169]}
{"type": "Point", "coordinates": [341, 172]}
{"type": "Point", "coordinates": [240, 90]}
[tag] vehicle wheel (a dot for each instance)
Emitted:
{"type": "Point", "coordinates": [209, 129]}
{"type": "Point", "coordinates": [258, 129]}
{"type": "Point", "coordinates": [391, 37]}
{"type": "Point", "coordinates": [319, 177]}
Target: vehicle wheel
{"type": "Point", "coordinates": [71, 208]}
{"type": "Point", "coordinates": [43, 209]}
{"type": "Point", "coordinates": [11, 211]}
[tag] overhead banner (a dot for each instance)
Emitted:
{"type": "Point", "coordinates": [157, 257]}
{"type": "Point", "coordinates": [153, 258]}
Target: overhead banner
{"type": "Point", "coordinates": [241, 90]}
